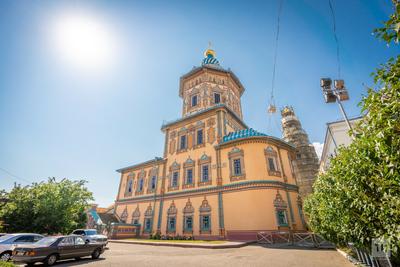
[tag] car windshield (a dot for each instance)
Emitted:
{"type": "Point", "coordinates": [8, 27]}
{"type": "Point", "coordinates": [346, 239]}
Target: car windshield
{"type": "Point", "coordinates": [5, 237]}
{"type": "Point", "coordinates": [46, 241]}
{"type": "Point", "coordinates": [91, 232]}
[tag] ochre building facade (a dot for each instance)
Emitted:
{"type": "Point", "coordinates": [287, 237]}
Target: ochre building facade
{"type": "Point", "coordinates": [217, 179]}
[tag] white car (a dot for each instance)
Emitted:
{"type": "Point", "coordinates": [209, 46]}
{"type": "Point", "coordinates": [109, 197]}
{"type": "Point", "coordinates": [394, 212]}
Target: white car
{"type": "Point", "coordinates": [8, 243]}
{"type": "Point", "coordinates": [91, 236]}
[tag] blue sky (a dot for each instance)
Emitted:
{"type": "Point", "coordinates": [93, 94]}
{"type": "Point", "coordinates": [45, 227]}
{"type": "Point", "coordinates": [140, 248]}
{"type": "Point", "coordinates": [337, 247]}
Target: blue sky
{"type": "Point", "coordinates": [59, 120]}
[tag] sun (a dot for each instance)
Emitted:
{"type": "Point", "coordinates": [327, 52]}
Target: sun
{"type": "Point", "coordinates": [83, 41]}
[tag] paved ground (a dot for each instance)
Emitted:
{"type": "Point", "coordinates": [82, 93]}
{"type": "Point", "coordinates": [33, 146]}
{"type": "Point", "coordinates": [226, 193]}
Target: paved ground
{"type": "Point", "coordinates": [253, 255]}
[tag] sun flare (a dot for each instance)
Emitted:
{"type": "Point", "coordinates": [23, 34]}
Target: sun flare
{"type": "Point", "coordinates": [83, 41]}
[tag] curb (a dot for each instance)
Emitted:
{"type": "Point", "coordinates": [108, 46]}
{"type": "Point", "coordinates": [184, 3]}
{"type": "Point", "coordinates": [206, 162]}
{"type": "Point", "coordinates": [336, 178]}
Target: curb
{"type": "Point", "coordinates": [349, 258]}
{"type": "Point", "coordinates": [222, 246]}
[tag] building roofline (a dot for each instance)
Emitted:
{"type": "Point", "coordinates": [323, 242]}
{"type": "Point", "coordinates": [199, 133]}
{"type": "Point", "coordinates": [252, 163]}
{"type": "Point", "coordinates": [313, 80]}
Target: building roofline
{"type": "Point", "coordinates": [201, 112]}
{"type": "Point", "coordinates": [220, 69]}
{"type": "Point", "coordinates": [261, 137]}
{"type": "Point", "coordinates": [155, 160]}
{"type": "Point", "coordinates": [338, 121]}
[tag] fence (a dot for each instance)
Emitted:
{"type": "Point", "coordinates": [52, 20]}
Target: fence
{"type": "Point", "coordinates": [290, 238]}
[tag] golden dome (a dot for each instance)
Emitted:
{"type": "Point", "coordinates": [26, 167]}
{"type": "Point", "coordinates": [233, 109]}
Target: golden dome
{"type": "Point", "coordinates": [208, 52]}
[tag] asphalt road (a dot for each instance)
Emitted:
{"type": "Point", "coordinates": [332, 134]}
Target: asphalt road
{"type": "Point", "coordinates": [254, 255]}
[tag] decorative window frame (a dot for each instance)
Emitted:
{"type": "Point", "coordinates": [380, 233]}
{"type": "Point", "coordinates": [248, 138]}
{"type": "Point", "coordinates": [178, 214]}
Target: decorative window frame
{"type": "Point", "coordinates": [152, 173]}
{"type": "Point", "coordinates": [183, 132]}
{"type": "Point", "coordinates": [217, 90]}
{"type": "Point", "coordinates": [280, 206]}
{"type": "Point", "coordinates": [194, 92]}
{"type": "Point", "coordinates": [148, 215]}
{"type": "Point", "coordinates": [205, 210]}
{"type": "Point", "coordinates": [204, 161]}
{"type": "Point", "coordinates": [140, 177]}
{"type": "Point", "coordinates": [130, 180]}
{"type": "Point", "coordinates": [171, 213]}
{"type": "Point", "coordinates": [136, 215]}
{"type": "Point", "coordinates": [188, 211]}
{"type": "Point", "coordinates": [124, 215]}
{"type": "Point", "coordinates": [189, 164]}
{"type": "Point", "coordinates": [236, 153]}
{"type": "Point", "coordinates": [200, 126]}
{"type": "Point", "coordinates": [270, 153]}
{"type": "Point", "coordinates": [175, 167]}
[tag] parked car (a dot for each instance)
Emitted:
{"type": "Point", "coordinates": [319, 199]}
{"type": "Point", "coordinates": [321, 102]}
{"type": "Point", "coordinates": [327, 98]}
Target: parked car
{"type": "Point", "coordinates": [91, 235]}
{"type": "Point", "coordinates": [53, 248]}
{"type": "Point", "coordinates": [9, 241]}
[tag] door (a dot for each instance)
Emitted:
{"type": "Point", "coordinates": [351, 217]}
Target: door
{"type": "Point", "coordinates": [81, 247]}
{"type": "Point", "coordinates": [66, 247]}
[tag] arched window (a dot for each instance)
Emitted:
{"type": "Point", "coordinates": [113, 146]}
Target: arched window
{"type": "Point", "coordinates": [236, 164]}
{"type": "Point", "coordinates": [136, 215]}
{"type": "Point", "coordinates": [188, 212]}
{"type": "Point", "coordinates": [205, 217]}
{"type": "Point", "coordinates": [272, 159]}
{"type": "Point", "coordinates": [171, 218]}
{"type": "Point", "coordinates": [148, 219]}
{"type": "Point", "coordinates": [129, 185]}
{"type": "Point", "coordinates": [280, 210]}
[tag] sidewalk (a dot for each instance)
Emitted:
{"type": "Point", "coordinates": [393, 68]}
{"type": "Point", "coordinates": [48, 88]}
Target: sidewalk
{"type": "Point", "coordinates": [225, 244]}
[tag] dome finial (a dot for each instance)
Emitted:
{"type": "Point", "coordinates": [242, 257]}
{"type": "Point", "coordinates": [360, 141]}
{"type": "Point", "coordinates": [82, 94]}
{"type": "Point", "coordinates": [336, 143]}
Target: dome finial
{"type": "Point", "coordinates": [209, 57]}
{"type": "Point", "coordinates": [209, 52]}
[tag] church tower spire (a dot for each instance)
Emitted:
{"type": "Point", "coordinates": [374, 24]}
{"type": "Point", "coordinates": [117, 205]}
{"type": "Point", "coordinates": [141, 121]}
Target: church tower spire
{"type": "Point", "coordinates": [306, 160]}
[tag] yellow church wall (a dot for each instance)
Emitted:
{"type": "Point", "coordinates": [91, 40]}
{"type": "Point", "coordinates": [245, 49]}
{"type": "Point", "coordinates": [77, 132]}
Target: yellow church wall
{"type": "Point", "coordinates": [255, 163]}
{"type": "Point", "coordinates": [135, 173]}
{"type": "Point", "coordinates": [250, 210]}
{"type": "Point", "coordinates": [196, 202]}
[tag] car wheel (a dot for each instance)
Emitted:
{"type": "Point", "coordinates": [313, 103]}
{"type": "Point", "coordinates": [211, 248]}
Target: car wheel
{"type": "Point", "coordinates": [50, 260]}
{"type": "Point", "coordinates": [96, 254]}
{"type": "Point", "coordinates": [6, 256]}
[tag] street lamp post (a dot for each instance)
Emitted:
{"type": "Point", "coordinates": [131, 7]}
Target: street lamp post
{"type": "Point", "coordinates": [337, 94]}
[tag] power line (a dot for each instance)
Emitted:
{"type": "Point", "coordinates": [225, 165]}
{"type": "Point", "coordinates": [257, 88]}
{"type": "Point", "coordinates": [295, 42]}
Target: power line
{"type": "Point", "coordinates": [335, 35]}
{"type": "Point", "coordinates": [15, 176]}
{"type": "Point", "coordinates": [276, 48]}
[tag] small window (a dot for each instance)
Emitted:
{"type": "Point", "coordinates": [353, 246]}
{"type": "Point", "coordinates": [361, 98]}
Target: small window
{"type": "Point", "coordinates": [281, 214]}
{"type": "Point", "coordinates": [147, 224]}
{"type": "Point", "coordinates": [200, 137]}
{"type": "Point", "coordinates": [194, 100]}
{"type": "Point", "coordinates": [136, 221]}
{"type": "Point", "coordinates": [79, 241]}
{"type": "Point", "coordinates": [237, 168]}
{"type": "Point", "coordinates": [153, 182]}
{"type": "Point", "coordinates": [188, 223]}
{"type": "Point", "coordinates": [271, 164]}
{"type": "Point", "coordinates": [205, 222]}
{"type": "Point", "coordinates": [183, 142]}
{"type": "Point", "coordinates": [174, 182]}
{"type": "Point", "coordinates": [141, 181]}
{"type": "Point", "coordinates": [205, 175]}
{"type": "Point", "coordinates": [217, 98]}
{"type": "Point", "coordinates": [171, 224]}
{"type": "Point", "coordinates": [130, 186]}
{"type": "Point", "coordinates": [189, 176]}
{"type": "Point", "coordinates": [67, 241]}
{"type": "Point", "coordinates": [25, 239]}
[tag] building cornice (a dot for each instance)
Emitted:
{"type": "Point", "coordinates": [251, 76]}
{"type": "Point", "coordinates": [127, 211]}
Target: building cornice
{"type": "Point", "coordinates": [237, 186]}
{"type": "Point", "coordinates": [202, 112]}
{"type": "Point", "coordinates": [257, 139]}
{"type": "Point", "coordinates": [155, 161]}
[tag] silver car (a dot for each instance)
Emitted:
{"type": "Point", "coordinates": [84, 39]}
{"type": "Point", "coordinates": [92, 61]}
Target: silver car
{"type": "Point", "coordinates": [9, 241]}
{"type": "Point", "coordinates": [91, 236]}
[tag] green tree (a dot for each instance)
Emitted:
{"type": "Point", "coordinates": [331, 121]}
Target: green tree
{"type": "Point", "coordinates": [47, 207]}
{"type": "Point", "coordinates": [358, 198]}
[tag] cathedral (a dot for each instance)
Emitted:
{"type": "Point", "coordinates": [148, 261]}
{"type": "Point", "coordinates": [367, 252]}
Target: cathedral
{"type": "Point", "coordinates": [217, 178]}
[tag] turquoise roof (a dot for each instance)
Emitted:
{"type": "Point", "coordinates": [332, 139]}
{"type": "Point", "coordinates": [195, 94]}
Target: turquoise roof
{"type": "Point", "coordinates": [95, 216]}
{"type": "Point", "coordinates": [210, 60]}
{"type": "Point", "coordinates": [249, 132]}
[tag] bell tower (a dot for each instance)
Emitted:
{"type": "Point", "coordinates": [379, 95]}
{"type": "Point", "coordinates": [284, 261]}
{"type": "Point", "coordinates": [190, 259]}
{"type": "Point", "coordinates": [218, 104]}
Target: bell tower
{"type": "Point", "coordinates": [210, 85]}
{"type": "Point", "coordinates": [306, 160]}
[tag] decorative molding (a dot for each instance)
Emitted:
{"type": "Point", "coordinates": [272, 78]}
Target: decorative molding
{"type": "Point", "coordinates": [279, 203]}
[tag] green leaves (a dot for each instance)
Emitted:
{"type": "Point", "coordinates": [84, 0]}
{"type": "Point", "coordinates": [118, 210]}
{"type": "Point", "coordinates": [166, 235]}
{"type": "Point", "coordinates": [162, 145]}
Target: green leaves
{"type": "Point", "coordinates": [358, 198]}
{"type": "Point", "coordinates": [48, 207]}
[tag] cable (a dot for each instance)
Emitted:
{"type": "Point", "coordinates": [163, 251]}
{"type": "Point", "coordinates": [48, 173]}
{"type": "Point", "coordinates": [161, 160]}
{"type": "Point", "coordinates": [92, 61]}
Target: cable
{"type": "Point", "coordinates": [276, 48]}
{"type": "Point", "coordinates": [335, 35]}
{"type": "Point", "coordinates": [15, 176]}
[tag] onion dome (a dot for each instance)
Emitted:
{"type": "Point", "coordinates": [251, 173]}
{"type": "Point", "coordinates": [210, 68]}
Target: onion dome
{"type": "Point", "coordinates": [209, 58]}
